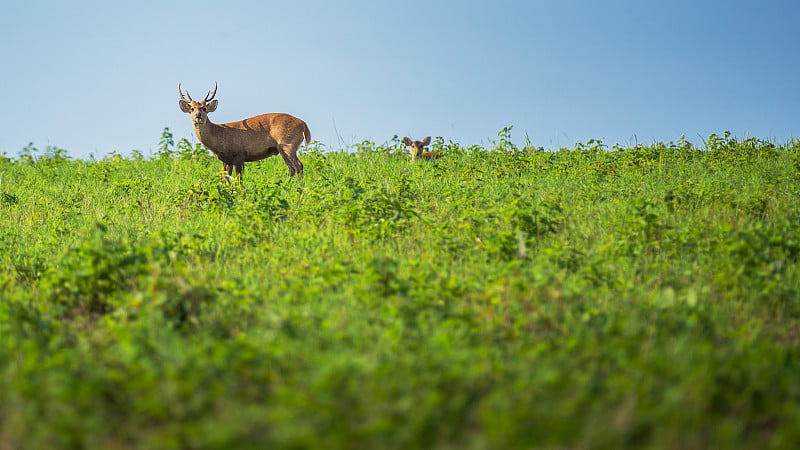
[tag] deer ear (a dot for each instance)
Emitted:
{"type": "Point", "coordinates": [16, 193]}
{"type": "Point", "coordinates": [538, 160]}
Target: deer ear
{"type": "Point", "coordinates": [426, 141]}
{"type": "Point", "coordinates": [211, 106]}
{"type": "Point", "coordinates": [407, 141]}
{"type": "Point", "coordinates": [185, 107]}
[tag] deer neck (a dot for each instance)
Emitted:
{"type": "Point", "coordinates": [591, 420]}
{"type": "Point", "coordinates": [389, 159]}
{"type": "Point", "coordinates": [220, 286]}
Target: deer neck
{"type": "Point", "coordinates": [208, 133]}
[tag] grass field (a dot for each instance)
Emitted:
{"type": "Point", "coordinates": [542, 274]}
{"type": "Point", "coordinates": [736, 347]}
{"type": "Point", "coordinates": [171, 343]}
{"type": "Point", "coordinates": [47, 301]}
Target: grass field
{"type": "Point", "coordinates": [499, 297]}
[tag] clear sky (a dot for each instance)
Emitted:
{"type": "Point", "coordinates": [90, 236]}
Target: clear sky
{"type": "Point", "coordinates": [94, 77]}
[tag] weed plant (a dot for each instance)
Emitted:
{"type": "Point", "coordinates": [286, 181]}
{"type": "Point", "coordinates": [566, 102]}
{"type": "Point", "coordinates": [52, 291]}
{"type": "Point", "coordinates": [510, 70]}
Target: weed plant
{"type": "Point", "coordinates": [499, 297]}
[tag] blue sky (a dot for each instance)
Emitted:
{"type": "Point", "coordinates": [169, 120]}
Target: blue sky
{"type": "Point", "coordinates": [95, 77]}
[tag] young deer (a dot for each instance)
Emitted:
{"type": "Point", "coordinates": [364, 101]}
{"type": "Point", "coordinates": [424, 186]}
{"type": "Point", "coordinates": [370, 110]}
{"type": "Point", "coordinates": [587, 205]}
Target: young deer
{"type": "Point", "coordinates": [247, 140]}
{"type": "Point", "coordinates": [416, 148]}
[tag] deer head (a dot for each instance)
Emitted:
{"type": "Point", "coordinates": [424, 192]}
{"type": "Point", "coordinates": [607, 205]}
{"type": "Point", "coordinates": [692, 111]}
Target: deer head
{"type": "Point", "coordinates": [416, 148]}
{"type": "Point", "coordinates": [198, 111]}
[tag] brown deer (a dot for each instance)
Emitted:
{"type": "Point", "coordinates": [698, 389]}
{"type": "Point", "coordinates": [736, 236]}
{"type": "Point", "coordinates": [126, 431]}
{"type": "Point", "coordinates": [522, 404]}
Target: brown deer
{"type": "Point", "coordinates": [247, 140]}
{"type": "Point", "coordinates": [416, 148]}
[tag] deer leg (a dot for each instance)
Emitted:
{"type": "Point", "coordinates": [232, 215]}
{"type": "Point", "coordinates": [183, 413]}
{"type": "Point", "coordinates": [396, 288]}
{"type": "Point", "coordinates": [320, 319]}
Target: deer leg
{"type": "Point", "coordinates": [228, 170]}
{"type": "Point", "coordinates": [238, 164]}
{"type": "Point", "coordinates": [287, 159]}
{"type": "Point", "coordinates": [297, 164]}
{"type": "Point", "coordinates": [292, 152]}
{"type": "Point", "coordinates": [300, 165]}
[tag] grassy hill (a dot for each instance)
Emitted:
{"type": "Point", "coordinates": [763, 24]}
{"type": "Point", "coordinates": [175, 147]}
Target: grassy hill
{"type": "Point", "coordinates": [500, 297]}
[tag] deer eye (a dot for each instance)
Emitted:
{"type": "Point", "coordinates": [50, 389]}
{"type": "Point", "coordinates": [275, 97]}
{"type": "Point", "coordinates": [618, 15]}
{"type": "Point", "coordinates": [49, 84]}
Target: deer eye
{"type": "Point", "coordinates": [204, 109]}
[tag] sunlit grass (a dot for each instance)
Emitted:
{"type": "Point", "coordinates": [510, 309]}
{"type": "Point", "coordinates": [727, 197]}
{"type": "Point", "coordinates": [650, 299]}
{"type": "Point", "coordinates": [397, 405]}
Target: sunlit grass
{"type": "Point", "coordinates": [498, 297]}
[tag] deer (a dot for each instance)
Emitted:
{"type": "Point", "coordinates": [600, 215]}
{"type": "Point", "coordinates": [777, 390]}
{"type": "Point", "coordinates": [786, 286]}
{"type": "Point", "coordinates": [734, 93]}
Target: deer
{"type": "Point", "coordinates": [247, 140]}
{"type": "Point", "coordinates": [416, 148]}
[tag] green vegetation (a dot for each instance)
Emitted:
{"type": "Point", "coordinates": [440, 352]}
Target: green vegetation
{"type": "Point", "coordinates": [500, 297]}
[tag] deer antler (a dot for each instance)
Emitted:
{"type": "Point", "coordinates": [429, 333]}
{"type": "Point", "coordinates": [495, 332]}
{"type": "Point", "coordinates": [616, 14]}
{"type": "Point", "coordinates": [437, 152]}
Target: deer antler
{"type": "Point", "coordinates": [208, 99]}
{"type": "Point", "coordinates": [187, 93]}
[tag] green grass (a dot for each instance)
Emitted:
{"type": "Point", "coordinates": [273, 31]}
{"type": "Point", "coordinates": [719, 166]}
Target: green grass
{"type": "Point", "coordinates": [500, 297]}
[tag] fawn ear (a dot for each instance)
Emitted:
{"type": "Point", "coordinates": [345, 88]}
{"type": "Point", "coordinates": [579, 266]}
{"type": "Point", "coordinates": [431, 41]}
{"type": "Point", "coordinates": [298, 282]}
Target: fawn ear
{"type": "Point", "coordinates": [185, 107]}
{"type": "Point", "coordinates": [407, 141]}
{"type": "Point", "coordinates": [211, 106]}
{"type": "Point", "coordinates": [426, 141]}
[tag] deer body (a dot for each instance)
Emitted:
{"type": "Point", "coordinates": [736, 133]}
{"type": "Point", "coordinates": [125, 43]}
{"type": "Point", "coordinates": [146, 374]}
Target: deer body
{"type": "Point", "coordinates": [416, 149]}
{"type": "Point", "coordinates": [247, 140]}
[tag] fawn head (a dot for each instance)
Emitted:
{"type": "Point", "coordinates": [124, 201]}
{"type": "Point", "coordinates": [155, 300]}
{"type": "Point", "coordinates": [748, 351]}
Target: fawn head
{"type": "Point", "coordinates": [416, 147]}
